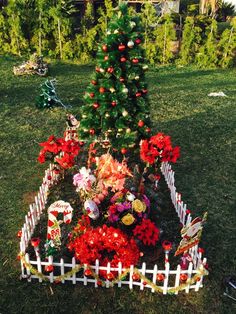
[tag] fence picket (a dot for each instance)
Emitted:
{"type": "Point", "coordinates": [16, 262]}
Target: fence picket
{"type": "Point", "coordinates": [143, 271]}
{"type": "Point", "coordinates": [166, 280]}
{"type": "Point", "coordinates": [190, 270]}
{"type": "Point", "coordinates": [27, 270]}
{"type": "Point", "coordinates": [108, 271]}
{"type": "Point", "coordinates": [119, 273]}
{"type": "Point", "coordinates": [50, 262]}
{"type": "Point", "coordinates": [85, 277]}
{"type": "Point", "coordinates": [177, 277]}
{"type": "Point", "coordinates": [131, 277]}
{"type": "Point", "coordinates": [154, 277]}
{"type": "Point", "coordinates": [96, 271]}
{"type": "Point", "coordinates": [62, 269]}
{"type": "Point", "coordinates": [73, 266]}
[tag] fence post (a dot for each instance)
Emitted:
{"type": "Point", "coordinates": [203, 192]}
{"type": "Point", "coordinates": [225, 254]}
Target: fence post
{"type": "Point", "coordinates": [190, 270]}
{"type": "Point", "coordinates": [166, 280]}
{"type": "Point", "coordinates": [131, 277]}
{"type": "Point", "coordinates": [108, 271]}
{"type": "Point", "coordinates": [154, 278]}
{"type": "Point", "coordinates": [73, 266]}
{"type": "Point", "coordinates": [119, 273]}
{"type": "Point", "coordinates": [96, 271]}
{"type": "Point", "coordinates": [85, 277]}
{"type": "Point", "coordinates": [27, 270]}
{"type": "Point", "coordinates": [62, 269]}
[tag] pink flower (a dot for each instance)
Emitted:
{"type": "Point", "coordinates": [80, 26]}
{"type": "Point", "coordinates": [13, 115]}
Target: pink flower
{"type": "Point", "coordinates": [84, 180]}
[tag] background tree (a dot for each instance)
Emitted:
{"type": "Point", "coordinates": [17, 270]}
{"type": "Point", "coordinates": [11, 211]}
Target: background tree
{"type": "Point", "coordinates": [227, 46]}
{"type": "Point", "coordinates": [207, 55]}
{"type": "Point", "coordinates": [18, 43]}
{"type": "Point", "coordinates": [4, 35]}
{"type": "Point", "coordinates": [116, 107]}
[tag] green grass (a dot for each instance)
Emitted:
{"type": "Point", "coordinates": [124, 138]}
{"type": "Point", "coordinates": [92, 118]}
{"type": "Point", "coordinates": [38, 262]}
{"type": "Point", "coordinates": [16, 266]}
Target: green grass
{"type": "Point", "coordinates": [202, 126]}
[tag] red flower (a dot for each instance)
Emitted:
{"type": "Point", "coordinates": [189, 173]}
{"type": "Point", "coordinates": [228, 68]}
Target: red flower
{"type": "Point", "coordinates": [148, 153]}
{"type": "Point", "coordinates": [71, 146]}
{"type": "Point", "coordinates": [41, 158]}
{"type": "Point", "coordinates": [52, 145]}
{"type": "Point", "coordinates": [147, 232]}
{"type": "Point", "coordinates": [66, 161]}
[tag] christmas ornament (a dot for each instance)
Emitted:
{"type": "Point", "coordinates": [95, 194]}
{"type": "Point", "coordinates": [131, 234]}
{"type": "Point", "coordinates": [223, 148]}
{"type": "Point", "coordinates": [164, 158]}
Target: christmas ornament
{"type": "Point", "coordinates": [102, 70]}
{"type": "Point", "coordinates": [167, 246]}
{"type": "Point", "coordinates": [84, 116]}
{"type": "Point", "coordinates": [107, 115]}
{"type": "Point", "coordinates": [94, 82]}
{"type": "Point", "coordinates": [123, 59]}
{"type": "Point", "coordinates": [125, 113]}
{"type": "Point", "coordinates": [91, 95]}
{"type": "Point", "coordinates": [148, 130]}
{"type": "Point", "coordinates": [19, 234]}
{"type": "Point", "coordinates": [112, 90]}
{"type": "Point", "coordinates": [125, 90]}
{"type": "Point", "coordinates": [160, 277]}
{"type": "Point", "coordinates": [135, 60]}
{"type": "Point", "coordinates": [136, 77]}
{"type": "Point", "coordinates": [49, 268]}
{"type": "Point", "coordinates": [122, 79]}
{"type": "Point", "coordinates": [110, 70]}
{"type": "Point", "coordinates": [116, 31]}
{"type": "Point", "coordinates": [102, 90]}
{"type": "Point", "coordinates": [54, 230]}
{"type": "Point", "coordinates": [96, 105]}
{"type": "Point", "coordinates": [145, 67]}
{"type": "Point", "coordinates": [110, 276]}
{"type": "Point", "coordinates": [121, 47]}
{"type": "Point", "coordinates": [92, 209]}
{"type": "Point", "coordinates": [183, 277]}
{"type": "Point", "coordinates": [123, 151]}
{"type": "Point", "coordinates": [87, 272]}
{"type": "Point", "coordinates": [130, 44]}
{"type": "Point", "coordinates": [140, 123]}
{"type": "Point", "coordinates": [138, 41]}
{"type": "Point", "coordinates": [113, 103]}
{"type": "Point", "coordinates": [132, 24]}
{"type": "Point", "coordinates": [138, 94]}
{"type": "Point", "coordinates": [144, 91]}
{"type": "Point", "coordinates": [91, 131]}
{"type": "Point", "coordinates": [128, 130]}
{"type": "Point", "coordinates": [35, 242]}
{"type": "Point", "coordinates": [106, 58]}
{"type": "Point", "coordinates": [191, 234]}
{"type": "Point", "coordinates": [104, 48]}
{"type": "Point", "coordinates": [136, 277]}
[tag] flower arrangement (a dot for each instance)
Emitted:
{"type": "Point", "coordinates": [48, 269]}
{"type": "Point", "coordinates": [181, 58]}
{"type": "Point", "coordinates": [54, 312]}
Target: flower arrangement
{"type": "Point", "coordinates": [114, 217]}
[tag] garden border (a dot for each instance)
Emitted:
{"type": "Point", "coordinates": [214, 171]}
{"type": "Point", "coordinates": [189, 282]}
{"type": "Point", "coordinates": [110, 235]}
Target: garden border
{"type": "Point", "coordinates": [147, 278]}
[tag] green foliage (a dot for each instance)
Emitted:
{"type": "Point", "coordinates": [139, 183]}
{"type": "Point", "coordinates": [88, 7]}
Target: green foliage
{"type": "Point", "coordinates": [18, 43]}
{"type": "Point", "coordinates": [85, 41]}
{"type": "Point", "coordinates": [227, 46]}
{"type": "Point", "coordinates": [207, 56]}
{"type": "Point", "coordinates": [105, 16]}
{"type": "Point", "coordinates": [4, 36]}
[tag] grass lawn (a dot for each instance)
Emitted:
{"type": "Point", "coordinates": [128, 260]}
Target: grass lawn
{"type": "Point", "coordinates": [204, 128]}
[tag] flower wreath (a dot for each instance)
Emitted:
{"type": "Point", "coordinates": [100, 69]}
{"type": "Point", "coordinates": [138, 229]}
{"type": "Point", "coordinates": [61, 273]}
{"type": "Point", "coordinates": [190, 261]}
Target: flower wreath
{"type": "Point", "coordinates": [107, 244]}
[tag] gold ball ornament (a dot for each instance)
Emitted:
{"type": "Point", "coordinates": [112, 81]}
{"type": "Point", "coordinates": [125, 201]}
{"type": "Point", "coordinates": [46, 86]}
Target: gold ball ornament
{"type": "Point", "coordinates": [112, 90]}
{"type": "Point", "coordinates": [125, 90]}
{"type": "Point", "coordinates": [107, 115]}
{"type": "Point", "coordinates": [145, 67]}
{"type": "Point", "coordinates": [125, 113]}
{"type": "Point", "coordinates": [136, 77]}
{"type": "Point", "coordinates": [84, 116]}
{"type": "Point", "coordinates": [116, 31]}
{"type": "Point", "coordinates": [128, 130]}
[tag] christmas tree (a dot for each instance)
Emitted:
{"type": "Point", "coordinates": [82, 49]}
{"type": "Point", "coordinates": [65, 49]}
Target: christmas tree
{"type": "Point", "coordinates": [48, 97]}
{"type": "Point", "coordinates": [116, 107]}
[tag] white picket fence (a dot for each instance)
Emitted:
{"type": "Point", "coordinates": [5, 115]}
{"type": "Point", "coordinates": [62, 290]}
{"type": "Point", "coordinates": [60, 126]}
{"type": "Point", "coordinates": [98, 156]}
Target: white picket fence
{"type": "Point", "coordinates": [172, 277]}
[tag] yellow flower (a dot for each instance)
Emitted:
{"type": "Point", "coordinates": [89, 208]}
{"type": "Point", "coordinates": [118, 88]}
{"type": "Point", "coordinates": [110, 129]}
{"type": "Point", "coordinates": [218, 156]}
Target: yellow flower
{"type": "Point", "coordinates": [128, 219]}
{"type": "Point", "coordinates": [138, 206]}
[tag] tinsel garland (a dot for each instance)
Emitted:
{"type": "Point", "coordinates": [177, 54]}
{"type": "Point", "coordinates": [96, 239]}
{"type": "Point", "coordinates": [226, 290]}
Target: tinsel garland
{"type": "Point", "coordinates": [146, 281]}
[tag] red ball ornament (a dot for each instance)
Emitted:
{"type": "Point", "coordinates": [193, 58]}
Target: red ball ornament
{"type": "Point", "coordinates": [138, 94]}
{"type": "Point", "coordinates": [121, 47]}
{"type": "Point", "coordinates": [97, 69]}
{"type": "Point", "coordinates": [144, 91]}
{"type": "Point", "coordinates": [183, 277]}
{"type": "Point", "coordinates": [148, 130]}
{"type": "Point", "coordinates": [123, 59]}
{"type": "Point", "coordinates": [104, 48]}
{"type": "Point", "coordinates": [19, 234]}
{"type": "Point", "coordinates": [136, 277]}
{"type": "Point", "coordinates": [102, 90]}
{"type": "Point", "coordinates": [144, 283]}
{"type": "Point", "coordinates": [87, 272]}
{"type": "Point", "coordinates": [96, 105]}
{"type": "Point", "coordinates": [123, 151]}
{"type": "Point", "coordinates": [110, 70]}
{"type": "Point", "coordinates": [35, 242]}
{"type": "Point", "coordinates": [135, 60]}
{"type": "Point", "coordinates": [114, 103]}
{"type": "Point", "coordinates": [94, 82]}
{"type": "Point", "coordinates": [92, 131]}
{"type": "Point", "coordinates": [49, 178]}
{"type": "Point", "coordinates": [49, 268]}
{"type": "Point", "coordinates": [122, 79]}
{"type": "Point", "coordinates": [106, 58]}
{"type": "Point", "coordinates": [110, 276]}
{"type": "Point", "coordinates": [138, 41]}
{"type": "Point", "coordinates": [140, 123]}
{"type": "Point", "coordinates": [167, 245]}
{"type": "Point", "coordinates": [160, 277]}
{"type": "Point", "coordinates": [91, 95]}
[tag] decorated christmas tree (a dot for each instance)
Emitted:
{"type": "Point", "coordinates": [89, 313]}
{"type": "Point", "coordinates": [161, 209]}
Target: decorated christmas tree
{"type": "Point", "coordinates": [48, 97]}
{"type": "Point", "coordinates": [116, 108]}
